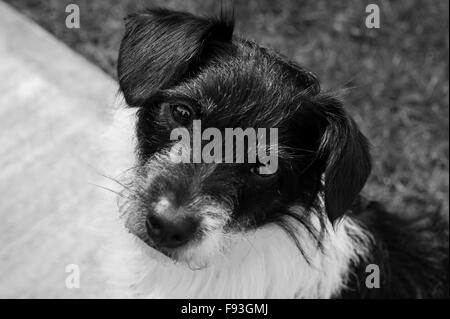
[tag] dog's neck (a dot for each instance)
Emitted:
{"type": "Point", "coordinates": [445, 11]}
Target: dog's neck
{"type": "Point", "coordinates": [263, 264]}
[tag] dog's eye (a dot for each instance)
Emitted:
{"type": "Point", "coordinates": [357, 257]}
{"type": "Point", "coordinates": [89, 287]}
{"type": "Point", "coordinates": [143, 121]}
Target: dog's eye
{"type": "Point", "coordinates": [262, 170]}
{"type": "Point", "coordinates": [181, 114]}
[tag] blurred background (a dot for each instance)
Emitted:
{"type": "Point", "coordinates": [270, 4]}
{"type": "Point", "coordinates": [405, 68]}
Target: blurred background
{"type": "Point", "coordinates": [395, 78]}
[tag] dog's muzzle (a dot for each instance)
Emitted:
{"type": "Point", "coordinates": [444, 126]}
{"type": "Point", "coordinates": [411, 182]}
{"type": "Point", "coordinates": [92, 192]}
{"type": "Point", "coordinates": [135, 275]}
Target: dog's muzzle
{"type": "Point", "coordinates": [182, 210]}
{"type": "Point", "coordinates": [171, 228]}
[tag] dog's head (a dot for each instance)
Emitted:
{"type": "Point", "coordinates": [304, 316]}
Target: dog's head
{"type": "Point", "coordinates": [178, 69]}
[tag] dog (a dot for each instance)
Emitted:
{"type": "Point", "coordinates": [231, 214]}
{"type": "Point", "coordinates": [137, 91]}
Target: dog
{"type": "Point", "coordinates": [234, 230]}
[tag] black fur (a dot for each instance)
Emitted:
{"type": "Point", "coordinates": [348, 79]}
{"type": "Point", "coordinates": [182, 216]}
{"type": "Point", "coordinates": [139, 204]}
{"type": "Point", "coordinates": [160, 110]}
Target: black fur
{"type": "Point", "coordinates": [412, 253]}
{"type": "Point", "coordinates": [171, 57]}
{"type": "Point", "coordinates": [162, 47]}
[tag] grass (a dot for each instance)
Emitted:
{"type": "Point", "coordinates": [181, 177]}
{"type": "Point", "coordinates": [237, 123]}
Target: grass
{"type": "Point", "coordinates": [396, 77]}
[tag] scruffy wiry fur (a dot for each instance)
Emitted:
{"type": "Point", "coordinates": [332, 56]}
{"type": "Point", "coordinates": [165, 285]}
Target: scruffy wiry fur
{"type": "Point", "coordinates": [261, 264]}
{"type": "Point", "coordinates": [248, 263]}
{"type": "Point", "coordinates": [412, 253]}
{"type": "Point", "coordinates": [300, 232]}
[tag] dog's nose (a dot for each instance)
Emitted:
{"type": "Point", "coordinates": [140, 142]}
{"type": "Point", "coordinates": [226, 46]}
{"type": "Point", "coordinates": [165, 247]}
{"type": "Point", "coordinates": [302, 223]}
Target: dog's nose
{"type": "Point", "coordinates": [171, 232]}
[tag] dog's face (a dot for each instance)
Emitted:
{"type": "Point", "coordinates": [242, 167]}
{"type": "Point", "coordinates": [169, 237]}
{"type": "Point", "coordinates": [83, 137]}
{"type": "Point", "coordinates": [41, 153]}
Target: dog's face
{"type": "Point", "coordinates": [176, 69]}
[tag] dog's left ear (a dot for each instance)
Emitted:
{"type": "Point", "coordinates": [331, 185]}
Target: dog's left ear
{"type": "Point", "coordinates": [345, 153]}
{"type": "Point", "coordinates": [161, 47]}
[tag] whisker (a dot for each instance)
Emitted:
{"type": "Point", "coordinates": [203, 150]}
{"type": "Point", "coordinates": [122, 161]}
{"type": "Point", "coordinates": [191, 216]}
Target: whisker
{"type": "Point", "coordinates": [112, 191]}
{"type": "Point", "coordinates": [114, 180]}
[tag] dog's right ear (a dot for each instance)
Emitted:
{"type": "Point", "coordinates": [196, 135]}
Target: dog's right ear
{"type": "Point", "coordinates": [162, 47]}
{"type": "Point", "coordinates": [345, 152]}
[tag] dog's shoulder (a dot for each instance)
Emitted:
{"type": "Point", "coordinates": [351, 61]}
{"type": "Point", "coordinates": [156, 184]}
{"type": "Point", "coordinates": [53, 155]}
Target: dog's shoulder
{"type": "Point", "coordinates": [410, 251]}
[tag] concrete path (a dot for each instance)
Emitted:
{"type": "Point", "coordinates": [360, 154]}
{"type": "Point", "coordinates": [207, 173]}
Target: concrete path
{"type": "Point", "coordinates": [53, 106]}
